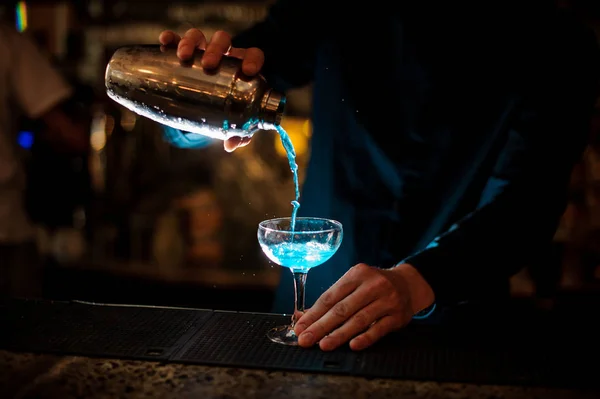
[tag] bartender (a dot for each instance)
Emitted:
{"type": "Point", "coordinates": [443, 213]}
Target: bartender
{"type": "Point", "coordinates": [443, 140]}
{"type": "Point", "coordinates": [29, 83]}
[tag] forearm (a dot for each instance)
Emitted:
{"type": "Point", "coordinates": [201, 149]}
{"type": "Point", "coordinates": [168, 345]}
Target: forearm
{"type": "Point", "coordinates": [492, 243]}
{"type": "Point", "coordinates": [519, 208]}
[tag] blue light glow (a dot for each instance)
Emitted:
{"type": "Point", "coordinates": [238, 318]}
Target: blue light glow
{"type": "Point", "coordinates": [181, 139]}
{"type": "Point", "coordinates": [25, 139]}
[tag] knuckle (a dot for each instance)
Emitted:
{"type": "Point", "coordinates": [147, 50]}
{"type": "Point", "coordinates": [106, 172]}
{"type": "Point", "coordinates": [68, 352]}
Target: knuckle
{"type": "Point", "coordinates": [359, 269]}
{"type": "Point", "coordinates": [362, 267]}
{"type": "Point", "coordinates": [381, 283]}
{"type": "Point", "coordinates": [340, 310]}
{"type": "Point", "coordinates": [345, 285]}
{"type": "Point", "coordinates": [327, 300]}
{"type": "Point", "coordinates": [394, 300]}
{"type": "Point", "coordinates": [363, 319]}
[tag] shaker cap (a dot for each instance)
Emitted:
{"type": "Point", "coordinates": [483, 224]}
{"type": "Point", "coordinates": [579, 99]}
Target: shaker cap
{"type": "Point", "coordinates": [272, 107]}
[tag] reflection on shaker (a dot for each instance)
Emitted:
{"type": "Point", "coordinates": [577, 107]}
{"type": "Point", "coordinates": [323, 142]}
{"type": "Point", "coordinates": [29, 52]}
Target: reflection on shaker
{"type": "Point", "coordinates": [219, 103]}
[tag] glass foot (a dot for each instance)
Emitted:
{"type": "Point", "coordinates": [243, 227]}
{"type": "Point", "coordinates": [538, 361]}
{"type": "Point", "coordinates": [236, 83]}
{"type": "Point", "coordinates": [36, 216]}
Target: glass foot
{"type": "Point", "coordinates": [283, 335]}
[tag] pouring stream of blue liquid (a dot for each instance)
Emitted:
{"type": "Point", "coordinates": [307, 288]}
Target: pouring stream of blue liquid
{"type": "Point", "coordinates": [174, 136]}
{"type": "Point", "coordinates": [291, 156]}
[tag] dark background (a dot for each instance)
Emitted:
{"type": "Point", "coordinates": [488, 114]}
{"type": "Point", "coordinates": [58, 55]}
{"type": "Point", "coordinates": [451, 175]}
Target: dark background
{"type": "Point", "coordinates": [139, 221]}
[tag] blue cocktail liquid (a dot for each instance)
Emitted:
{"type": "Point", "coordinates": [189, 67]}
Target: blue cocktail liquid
{"type": "Point", "coordinates": [299, 257]}
{"type": "Point", "coordinates": [291, 156]}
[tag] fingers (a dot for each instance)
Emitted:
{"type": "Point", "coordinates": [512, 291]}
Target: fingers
{"type": "Point", "coordinates": [363, 306]}
{"type": "Point", "coordinates": [355, 325]}
{"type": "Point", "coordinates": [340, 290]}
{"type": "Point", "coordinates": [342, 314]}
{"type": "Point", "coordinates": [232, 143]}
{"type": "Point", "coordinates": [169, 38]}
{"type": "Point", "coordinates": [192, 40]}
{"type": "Point", "coordinates": [235, 142]}
{"type": "Point", "coordinates": [245, 141]}
{"type": "Point", "coordinates": [382, 327]}
{"type": "Point", "coordinates": [219, 45]}
{"type": "Point", "coordinates": [328, 300]}
{"type": "Point", "coordinates": [254, 59]}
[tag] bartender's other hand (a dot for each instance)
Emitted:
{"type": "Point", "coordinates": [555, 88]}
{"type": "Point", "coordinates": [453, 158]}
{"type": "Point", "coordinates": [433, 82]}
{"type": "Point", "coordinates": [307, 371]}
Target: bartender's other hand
{"type": "Point", "coordinates": [219, 45]}
{"type": "Point", "coordinates": [363, 306]}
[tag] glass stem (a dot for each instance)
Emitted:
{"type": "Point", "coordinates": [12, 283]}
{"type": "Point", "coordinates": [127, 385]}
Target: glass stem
{"type": "Point", "coordinates": [299, 283]}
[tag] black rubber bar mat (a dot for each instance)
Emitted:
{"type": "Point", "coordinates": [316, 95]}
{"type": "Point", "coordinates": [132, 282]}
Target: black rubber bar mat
{"type": "Point", "coordinates": [509, 352]}
{"type": "Point", "coordinates": [97, 330]}
{"type": "Point", "coordinates": [239, 339]}
{"type": "Point", "coordinates": [491, 357]}
{"type": "Point", "coordinates": [482, 354]}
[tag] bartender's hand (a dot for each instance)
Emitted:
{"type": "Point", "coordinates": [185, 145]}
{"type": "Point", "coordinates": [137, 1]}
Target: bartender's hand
{"type": "Point", "coordinates": [219, 45]}
{"type": "Point", "coordinates": [363, 306]}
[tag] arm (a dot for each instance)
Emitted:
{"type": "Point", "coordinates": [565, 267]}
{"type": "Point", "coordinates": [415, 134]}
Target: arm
{"type": "Point", "coordinates": [40, 90]}
{"type": "Point", "coordinates": [524, 199]}
{"type": "Point", "coordinates": [289, 37]}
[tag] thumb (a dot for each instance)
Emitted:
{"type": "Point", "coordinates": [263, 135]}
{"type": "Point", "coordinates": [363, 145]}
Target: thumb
{"type": "Point", "coordinates": [232, 143]}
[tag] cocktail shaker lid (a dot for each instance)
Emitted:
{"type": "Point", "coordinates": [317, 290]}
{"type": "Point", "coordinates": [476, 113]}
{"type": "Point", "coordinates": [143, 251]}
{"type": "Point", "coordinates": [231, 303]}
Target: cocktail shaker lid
{"type": "Point", "coordinates": [272, 106]}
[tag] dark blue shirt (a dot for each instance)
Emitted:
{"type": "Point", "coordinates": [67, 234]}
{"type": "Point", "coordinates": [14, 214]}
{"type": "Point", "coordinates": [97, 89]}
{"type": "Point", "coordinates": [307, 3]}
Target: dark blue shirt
{"type": "Point", "coordinates": [442, 137]}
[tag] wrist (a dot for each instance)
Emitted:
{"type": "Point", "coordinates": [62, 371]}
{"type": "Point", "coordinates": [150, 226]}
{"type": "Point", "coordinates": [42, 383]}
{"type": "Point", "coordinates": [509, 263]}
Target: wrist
{"type": "Point", "coordinates": [420, 292]}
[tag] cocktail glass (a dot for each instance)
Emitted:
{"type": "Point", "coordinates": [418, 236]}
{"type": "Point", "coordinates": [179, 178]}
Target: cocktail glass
{"type": "Point", "coordinates": [311, 243]}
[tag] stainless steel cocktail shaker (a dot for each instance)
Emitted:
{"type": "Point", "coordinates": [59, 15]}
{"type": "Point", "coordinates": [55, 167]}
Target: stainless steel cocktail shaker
{"type": "Point", "coordinates": [219, 103]}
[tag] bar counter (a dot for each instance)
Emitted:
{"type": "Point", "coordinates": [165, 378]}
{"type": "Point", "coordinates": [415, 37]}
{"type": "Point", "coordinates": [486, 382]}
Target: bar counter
{"type": "Point", "coordinates": [57, 349]}
{"type": "Point", "coordinates": [24, 375]}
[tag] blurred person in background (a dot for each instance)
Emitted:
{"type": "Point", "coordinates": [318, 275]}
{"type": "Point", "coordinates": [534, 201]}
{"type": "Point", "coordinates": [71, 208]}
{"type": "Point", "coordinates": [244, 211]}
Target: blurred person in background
{"type": "Point", "coordinates": [444, 135]}
{"type": "Point", "coordinates": [29, 83]}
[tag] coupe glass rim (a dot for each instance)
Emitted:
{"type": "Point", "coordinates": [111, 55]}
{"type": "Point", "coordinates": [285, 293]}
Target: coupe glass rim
{"type": "Point", "coordinates": [337, 225]}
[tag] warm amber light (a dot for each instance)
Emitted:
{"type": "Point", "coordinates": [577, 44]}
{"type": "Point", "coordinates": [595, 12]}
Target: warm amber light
{"type": "Point", "coordinates": [128, 119]}
{"type": "Point", "coordinates": [299, 130]}
{"type": "Point", "coordinates": [98, 132]}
